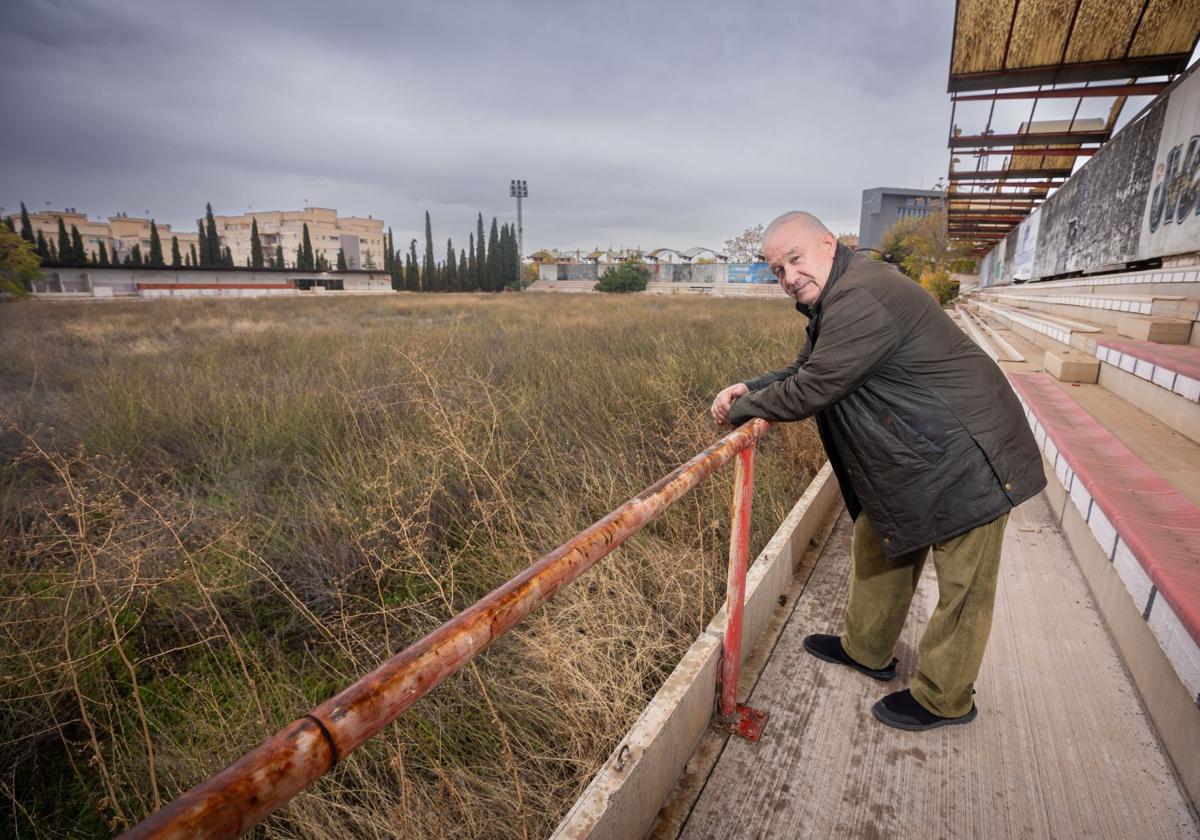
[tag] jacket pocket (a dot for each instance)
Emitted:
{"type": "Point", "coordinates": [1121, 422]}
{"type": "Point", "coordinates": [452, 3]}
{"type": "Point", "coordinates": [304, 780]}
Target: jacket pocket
{"type": "Point", "coordinates": [909, 437]}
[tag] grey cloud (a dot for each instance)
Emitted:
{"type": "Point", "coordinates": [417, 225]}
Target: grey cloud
{"type": "Point", "coordinates": [670, 123]}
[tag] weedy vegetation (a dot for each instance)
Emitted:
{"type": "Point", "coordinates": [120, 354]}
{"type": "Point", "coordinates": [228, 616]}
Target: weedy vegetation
{"type": "Point", "coordinates": [216, 514]}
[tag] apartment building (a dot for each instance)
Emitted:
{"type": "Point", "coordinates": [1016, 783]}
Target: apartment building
{"type": "Point", "coordinates": [361, 239]}
{"type": "Point", "coordinates": [119, 234]}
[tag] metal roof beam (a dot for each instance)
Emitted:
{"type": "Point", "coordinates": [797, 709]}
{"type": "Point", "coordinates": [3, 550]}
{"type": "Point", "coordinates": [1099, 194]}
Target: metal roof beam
{"type": "Point", "coordinates": [1007, 174]}
{"type": "Point", "coordinates": [1086, 71]}
{"type": "Point", "coordinates": [1136, 89]}
{"type": "Point", "coordinates": [1048, 138]}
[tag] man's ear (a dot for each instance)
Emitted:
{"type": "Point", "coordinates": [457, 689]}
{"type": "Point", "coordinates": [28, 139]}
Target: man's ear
{"type": "Point", "coordinates": [829, 241]}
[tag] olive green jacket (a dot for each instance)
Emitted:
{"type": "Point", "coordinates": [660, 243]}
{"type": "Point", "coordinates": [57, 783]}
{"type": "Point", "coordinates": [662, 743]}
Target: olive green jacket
{"type": "Point", "coordinates": [922, 428]}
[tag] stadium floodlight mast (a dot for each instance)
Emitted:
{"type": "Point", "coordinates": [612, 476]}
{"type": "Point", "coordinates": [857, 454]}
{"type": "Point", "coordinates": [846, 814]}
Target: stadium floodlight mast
{"type": "Point", "coordinates": [519, 190]}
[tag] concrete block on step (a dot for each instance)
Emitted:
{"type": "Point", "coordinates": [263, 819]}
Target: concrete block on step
{"type": "Point", "coordinates": [1158, 330]}
{"type": "Point", "coordinates": [1070, 366]}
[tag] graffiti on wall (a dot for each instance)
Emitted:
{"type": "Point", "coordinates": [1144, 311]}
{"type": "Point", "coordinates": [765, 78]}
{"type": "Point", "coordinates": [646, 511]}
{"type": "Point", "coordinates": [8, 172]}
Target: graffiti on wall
{"type": "Point", "coordinates": [1137, 198]}
{"type": "Point", "coordinates": [1022, 242]}
{"type": "Point", "coordinates": [1172, 220]}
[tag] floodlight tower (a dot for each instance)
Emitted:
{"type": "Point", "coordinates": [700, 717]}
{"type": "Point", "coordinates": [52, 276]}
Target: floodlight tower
{"type": "Point", "coordinates": [519, 190]}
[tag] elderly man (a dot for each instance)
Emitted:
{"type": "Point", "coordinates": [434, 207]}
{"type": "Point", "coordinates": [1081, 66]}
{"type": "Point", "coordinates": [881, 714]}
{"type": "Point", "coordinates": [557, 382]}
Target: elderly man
{"type": "Point", "coordinates": [930, 447]}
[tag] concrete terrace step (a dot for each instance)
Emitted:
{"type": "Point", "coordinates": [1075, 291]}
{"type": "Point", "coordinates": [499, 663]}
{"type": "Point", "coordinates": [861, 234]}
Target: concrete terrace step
{"type": "Point", "coordinates": [1058, 329]}
{"type": "Point", "coordinates": [1186, 274]}
{"type": "Point", "coordinates": [1175, 367]}
{"type": "Point", "coordinates": [1156, 388]}
{"type": "Point", "coordinates": [1168, 306]}
{"type": "Point", "coordinates": [992, 343]}
{"type": "Point", "coordinates": [1147, 528]}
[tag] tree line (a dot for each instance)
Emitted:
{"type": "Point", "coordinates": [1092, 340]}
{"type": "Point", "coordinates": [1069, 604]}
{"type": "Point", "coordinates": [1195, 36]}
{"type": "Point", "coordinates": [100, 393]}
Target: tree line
{"type": "Point", "coordinates": [489, 263]}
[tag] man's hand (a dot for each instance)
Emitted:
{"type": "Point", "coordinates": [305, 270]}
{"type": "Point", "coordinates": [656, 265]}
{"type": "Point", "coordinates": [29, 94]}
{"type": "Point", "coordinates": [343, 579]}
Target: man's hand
{"type": "Point", "coordinates": [720, 406]}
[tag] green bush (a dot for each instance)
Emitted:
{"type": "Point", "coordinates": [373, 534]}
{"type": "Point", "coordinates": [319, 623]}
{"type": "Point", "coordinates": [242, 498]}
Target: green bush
{"type": "Point", "coordinates": [627, 277]}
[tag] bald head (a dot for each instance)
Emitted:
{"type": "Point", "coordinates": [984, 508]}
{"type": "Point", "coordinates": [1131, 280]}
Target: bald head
{"type": "Point", "coordinates": [799, 221]}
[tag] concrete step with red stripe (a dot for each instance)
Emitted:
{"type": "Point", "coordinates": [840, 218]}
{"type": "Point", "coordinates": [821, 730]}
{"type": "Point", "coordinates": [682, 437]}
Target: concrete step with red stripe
{"type": "Point", "coordinates": [1145, 526]}
{"type": "Point", "coordinates": [1175, 367]}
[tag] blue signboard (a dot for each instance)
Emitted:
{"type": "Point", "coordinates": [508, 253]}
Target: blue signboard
{"type": "Point", "coordinates": [750, 273]}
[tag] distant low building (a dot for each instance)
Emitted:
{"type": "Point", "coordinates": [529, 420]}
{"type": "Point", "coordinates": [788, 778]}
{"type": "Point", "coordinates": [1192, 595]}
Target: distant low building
{"type": "Point", "coordinates": [884, 206]}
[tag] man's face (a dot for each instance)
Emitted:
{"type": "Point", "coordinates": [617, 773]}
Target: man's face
{"type": "Point", "coordinates": [801, 260]}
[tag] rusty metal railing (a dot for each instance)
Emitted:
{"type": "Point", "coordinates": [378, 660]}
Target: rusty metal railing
{"type": "Point", "coordinates": [249, 790]}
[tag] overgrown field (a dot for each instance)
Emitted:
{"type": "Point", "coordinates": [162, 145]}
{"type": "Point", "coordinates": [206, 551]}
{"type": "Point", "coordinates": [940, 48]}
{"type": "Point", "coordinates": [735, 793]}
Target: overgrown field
{"type": "Point", "coordinates": [216, 514]}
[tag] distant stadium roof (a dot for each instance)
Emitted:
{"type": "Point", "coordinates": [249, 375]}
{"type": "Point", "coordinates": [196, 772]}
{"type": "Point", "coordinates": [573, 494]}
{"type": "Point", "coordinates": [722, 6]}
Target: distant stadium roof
{"type": "Point", "coordinates": [1040, 50]}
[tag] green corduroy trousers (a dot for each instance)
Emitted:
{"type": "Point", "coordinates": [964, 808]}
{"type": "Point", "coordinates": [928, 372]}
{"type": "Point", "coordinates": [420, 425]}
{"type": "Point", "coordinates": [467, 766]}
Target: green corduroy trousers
{"type": "Point", "coordinates": [951, 649]}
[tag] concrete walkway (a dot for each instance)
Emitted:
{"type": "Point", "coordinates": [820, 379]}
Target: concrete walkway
{"type": "Point", "coordinates": [1061, 749]}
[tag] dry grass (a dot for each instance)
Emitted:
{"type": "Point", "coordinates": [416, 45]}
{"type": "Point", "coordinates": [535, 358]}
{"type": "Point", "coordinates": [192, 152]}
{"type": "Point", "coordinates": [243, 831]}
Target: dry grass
{"type": "Point", "coordinates": [216, 514]}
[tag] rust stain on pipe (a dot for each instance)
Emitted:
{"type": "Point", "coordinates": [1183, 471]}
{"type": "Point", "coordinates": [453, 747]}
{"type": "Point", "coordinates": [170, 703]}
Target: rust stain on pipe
{"type": "Point", "coordinates": [248, 791]}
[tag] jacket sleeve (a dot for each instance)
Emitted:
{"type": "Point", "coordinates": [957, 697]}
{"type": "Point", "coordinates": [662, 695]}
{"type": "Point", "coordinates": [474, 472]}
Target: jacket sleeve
{"type": "Point", "coordinates": [857, 334]}
{"type": "Point", "coordinates": [783, 373]}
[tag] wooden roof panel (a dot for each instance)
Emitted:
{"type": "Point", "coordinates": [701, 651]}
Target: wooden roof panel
{"type": "Point", "coordinates": [1039, 32]}
{"type": "Point", "coordinates": [1168, 26]}
{"type": "Point", "coordinates": [980, 34]}
{"type": "Point", "coordinates": [1005, 43]}
{"type": "Point", "coordinates": [1103, 29]}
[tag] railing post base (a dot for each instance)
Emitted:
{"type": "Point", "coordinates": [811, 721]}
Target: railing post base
{"type": "Point", "coordinates": [745, 722]}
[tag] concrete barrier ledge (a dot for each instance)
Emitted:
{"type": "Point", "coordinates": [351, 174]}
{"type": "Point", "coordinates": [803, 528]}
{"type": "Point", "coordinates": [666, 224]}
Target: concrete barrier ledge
{"type": "Point", "coordinates": [625, 795]}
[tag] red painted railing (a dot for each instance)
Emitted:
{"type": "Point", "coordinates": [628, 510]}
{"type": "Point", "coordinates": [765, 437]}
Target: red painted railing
{"type": "Point", "coordinates": [249, 790]}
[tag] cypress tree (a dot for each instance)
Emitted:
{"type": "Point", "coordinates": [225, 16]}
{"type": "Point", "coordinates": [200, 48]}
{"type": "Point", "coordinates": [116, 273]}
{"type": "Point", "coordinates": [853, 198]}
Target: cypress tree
{"type": "Point", "coordinates": [43, 247]}
{"type": "Point", "coordinates": [494, 281]}
{"type": "Point", "coordinates": [102, 254]}
{"type": "Point", "coordinates": [210, 250]}
{"type": "Point", "coordinates": [135, 254]}
{"type": "Point", "coordinates": [430, 266]}
{"type": "Point", "coordinates": [192, 255]}
{"type": "Point", "coordinates": [156, 255]}
{"type": "Point", "coordinates": [188, 261]}
{"type": "Point", "coordinates": [79, 254]}
{"type": "Point", "coordinates": [279, 257]}
{"type": "Point", "coordinates": [256, 252]}
{"type": "Point", "coordinates": [307, 251]}
{"type": "Point", "coordinates": [176, 259]}
{"type": "Point", "coordinates": [341, 259]}
{"type": "Point", "coordinates": [64, 243]}
{"type": "Point", "coordinates": [26, 225]}
{"type": "Point", "coordinates": [413, 281]}
{"type": "Point", "coordinates": [480, 258]}
{"type": "Point", "coordinates": [464, 273]}
{"type": "Point", "coordinates": [451, 267]}
{"type": "Point", "coordinates": [299, 257]}
{"type": "Point", "coordinates": [53, 251]}
{"type": "Point", "coordinates": [8, 223]}
{"type": "Point", "coordinates": [467, 266]}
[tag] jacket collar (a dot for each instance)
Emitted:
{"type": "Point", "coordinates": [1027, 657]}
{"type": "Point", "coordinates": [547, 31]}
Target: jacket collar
{"type": "Point", "coordinates": [841, 258]}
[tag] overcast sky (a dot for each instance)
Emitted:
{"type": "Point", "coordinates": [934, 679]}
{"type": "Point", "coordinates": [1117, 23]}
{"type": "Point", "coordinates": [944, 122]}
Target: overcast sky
{"type": "Point", "coordinates": [639, 124]}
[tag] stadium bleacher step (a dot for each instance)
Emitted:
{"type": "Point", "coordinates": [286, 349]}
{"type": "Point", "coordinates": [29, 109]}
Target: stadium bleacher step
{"type": "Point", "coordinates": [1126, 487]}
{"type": "Point", "coordinates": [1157, 330]}
{"type": "Point", "coordinates": [1105, 300]}
{"type": "Point", "coordinates": [1071, 366]}
{"type": "Point", "coordinates": [1164, 379]}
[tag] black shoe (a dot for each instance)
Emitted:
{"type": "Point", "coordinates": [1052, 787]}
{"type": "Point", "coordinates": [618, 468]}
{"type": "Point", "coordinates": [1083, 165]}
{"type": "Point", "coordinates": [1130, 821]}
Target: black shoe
{"type": "Point", "coordinates": [828, 647]}
{"type": "Point", "coordinates": [902, 711]}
